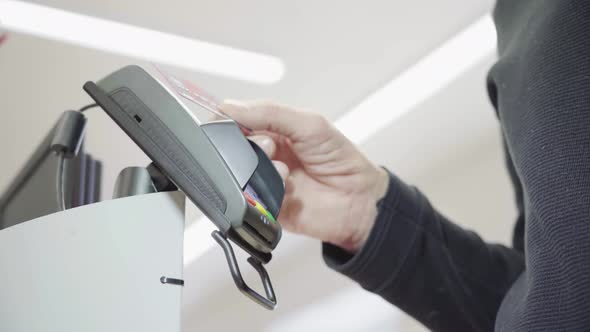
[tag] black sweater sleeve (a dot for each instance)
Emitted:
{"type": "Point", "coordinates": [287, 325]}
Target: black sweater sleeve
{"type": "Point", "coordinates": [442, 275]}
{"type": "Point", "coordinates": [447, 277]}
{"type": "Point", "coordinates": [541, 87]}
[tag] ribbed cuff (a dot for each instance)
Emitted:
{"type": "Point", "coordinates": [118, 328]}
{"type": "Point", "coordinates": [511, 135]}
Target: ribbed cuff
{"type": "Point", "coordinates": [389, 242]}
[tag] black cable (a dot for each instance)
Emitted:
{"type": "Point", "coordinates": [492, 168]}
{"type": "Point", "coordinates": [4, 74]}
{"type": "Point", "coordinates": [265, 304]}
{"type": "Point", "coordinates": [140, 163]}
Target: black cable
{"type": "Point", "coordinates": [60, 181]}
{"type": "Point", "coordinates": [87, 107]}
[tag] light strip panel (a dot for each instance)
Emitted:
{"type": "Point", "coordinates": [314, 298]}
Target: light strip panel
{"type": "Point", "coordinates": [420, 82]}
{"type": "Point", "coordinates": [138, 42]}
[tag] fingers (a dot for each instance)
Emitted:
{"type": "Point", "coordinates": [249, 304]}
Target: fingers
{"type": "Point", "coordinates": [267, 116]}
{"type": "Point", "coordinates": [282, 169]}
{"type": "Point", "coordinates": [269, 147]}
{"type": "Point", "coordinates": [266, 143]}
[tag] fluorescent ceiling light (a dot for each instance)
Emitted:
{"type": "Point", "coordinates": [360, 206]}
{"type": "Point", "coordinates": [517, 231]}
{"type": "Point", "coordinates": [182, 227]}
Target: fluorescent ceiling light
{"type": "Point", "coordinates": [413, 86]}
{"type": "Point", "coordinates": [420, 82]}
{"type": "Point", "coordinates": [137, 42]}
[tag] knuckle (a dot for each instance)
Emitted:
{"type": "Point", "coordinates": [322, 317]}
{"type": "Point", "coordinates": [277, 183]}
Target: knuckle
{"type": "Point", "coordinates": [265, 104]}
{"type": "Point", "coordinates": [318, 122]}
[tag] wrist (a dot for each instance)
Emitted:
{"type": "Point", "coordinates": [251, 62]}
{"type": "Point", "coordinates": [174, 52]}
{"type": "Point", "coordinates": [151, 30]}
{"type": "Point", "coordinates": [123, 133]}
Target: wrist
{"type": "Point", "coordinates": [381, 184]}
{"type": "Point", "coordinates": [367, 211]}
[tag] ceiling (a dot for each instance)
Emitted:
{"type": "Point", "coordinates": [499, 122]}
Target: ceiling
{"type": "Point", "coordinates": [336, 54]}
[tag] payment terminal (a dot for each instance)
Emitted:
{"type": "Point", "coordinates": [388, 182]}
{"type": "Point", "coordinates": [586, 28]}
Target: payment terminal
{"type": "Point", "coordinates": [229, 178]}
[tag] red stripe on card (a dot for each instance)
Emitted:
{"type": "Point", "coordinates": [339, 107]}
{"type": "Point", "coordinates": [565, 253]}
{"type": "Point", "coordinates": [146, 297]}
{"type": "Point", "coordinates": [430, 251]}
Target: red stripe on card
{"type": "Point", "coordinates": [3, 38]}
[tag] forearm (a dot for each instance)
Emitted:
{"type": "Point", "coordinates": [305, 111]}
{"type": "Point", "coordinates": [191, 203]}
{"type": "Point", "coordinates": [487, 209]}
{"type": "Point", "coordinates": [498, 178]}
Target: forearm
{"type": "Point", "coordinates": [444, 276]}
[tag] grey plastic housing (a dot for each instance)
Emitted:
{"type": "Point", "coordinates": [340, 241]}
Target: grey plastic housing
{"type": "Point", "coordinates": [233, 148]}
{"type": "Point", "coordinates": [133, 181]}
{"type": "Point", "coordinates": [172, 137]}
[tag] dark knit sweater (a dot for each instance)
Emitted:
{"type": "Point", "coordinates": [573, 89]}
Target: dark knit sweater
{"type": "Point", "coordinates": [447, 277]}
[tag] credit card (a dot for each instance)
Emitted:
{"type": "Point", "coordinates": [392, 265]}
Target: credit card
{"type": "Point", "coordinates": [3, 37]}
{"type": "Point", "coordinates": [193, 93]}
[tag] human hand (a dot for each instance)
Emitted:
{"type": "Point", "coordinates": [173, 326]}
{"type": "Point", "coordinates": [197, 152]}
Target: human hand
{"type": "Point", "coordinates": [331, 188]}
